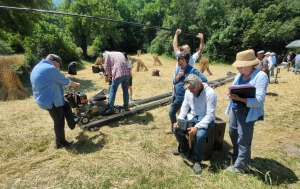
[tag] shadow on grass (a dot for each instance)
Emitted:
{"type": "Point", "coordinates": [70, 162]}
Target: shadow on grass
{"type": "Point", "coordinates": [86, 144]}
{"type": "Point", "coordinates": [143, 119]}
{"type": "Point", "coordinates": [272, 172]}
{"type": "Point", "coordinates": [85, 85]}
{"type": "Point", "coordinates": [219, 160]}
{"type": "Point", "coordinates": [271, 94]}
{"type": "Point", "coordinates": [267, 170]}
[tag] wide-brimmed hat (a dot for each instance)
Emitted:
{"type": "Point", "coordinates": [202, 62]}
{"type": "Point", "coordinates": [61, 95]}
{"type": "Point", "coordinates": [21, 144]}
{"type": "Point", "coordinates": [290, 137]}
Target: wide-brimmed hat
{"type": "Point", "coordinates": [245, 58]}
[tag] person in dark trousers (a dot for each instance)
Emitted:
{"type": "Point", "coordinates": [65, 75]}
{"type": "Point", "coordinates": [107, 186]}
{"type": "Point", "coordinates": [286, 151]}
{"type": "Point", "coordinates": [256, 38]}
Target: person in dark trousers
{"type": "Point", "coordinates": [47, 86]}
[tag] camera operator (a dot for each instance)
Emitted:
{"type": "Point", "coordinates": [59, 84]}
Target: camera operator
{"type": "Point", "coordinates": [198, 108]}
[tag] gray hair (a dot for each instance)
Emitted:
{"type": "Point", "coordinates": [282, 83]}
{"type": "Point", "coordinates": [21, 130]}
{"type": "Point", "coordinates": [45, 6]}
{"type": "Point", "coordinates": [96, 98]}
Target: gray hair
{"type": "Point", "coordinates": [192, 80]}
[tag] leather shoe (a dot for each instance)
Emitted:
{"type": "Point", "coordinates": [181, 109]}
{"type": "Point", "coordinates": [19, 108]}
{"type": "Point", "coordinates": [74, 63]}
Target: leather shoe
{"type": "Point", "coordinates": [76, 120]}
{"type": "Point", "coordinates": [108, 112]}
{"type": "Point", "coordinates": [65, 143]}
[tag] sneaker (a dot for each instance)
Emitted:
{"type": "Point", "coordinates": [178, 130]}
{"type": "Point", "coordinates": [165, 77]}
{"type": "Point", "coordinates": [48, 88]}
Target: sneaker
{"type": "Point", "coordinates": [130, 98]}
{"type": "Point", "coordinates": [235, 170]}
{"type": "Point", "coordinates": [197, 168]}
{"type": "Point", "coordinates": [108, 112]}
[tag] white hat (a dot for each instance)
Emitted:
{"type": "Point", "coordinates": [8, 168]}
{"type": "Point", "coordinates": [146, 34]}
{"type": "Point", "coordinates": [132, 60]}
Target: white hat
{"type": "Point", "coordinates": [261, 52]}
{"type": "Point", "coordinates": [267, 53]}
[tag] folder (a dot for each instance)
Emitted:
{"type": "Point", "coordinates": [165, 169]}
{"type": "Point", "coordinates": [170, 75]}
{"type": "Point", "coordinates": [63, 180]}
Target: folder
{"type": "Point", "coordinates": [243, 91]}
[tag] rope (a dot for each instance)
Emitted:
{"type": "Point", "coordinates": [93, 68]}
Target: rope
{"type": "Point", "coordinates": [92, 17]}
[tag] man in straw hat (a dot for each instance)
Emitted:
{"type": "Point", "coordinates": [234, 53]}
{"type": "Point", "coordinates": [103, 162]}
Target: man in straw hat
{"type": "Point", "coordinates": [199, 109]}
{"type": "Point", "coordinates": [244, 112]}
{"type": "Point", "coordinates": [47, 86]}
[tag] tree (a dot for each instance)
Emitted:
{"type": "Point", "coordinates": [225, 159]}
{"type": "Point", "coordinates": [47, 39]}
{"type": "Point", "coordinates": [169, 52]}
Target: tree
{"type": "Point", "coordinates": [85, 30]}
{"type": "Point", "coordinates": [20, 22]}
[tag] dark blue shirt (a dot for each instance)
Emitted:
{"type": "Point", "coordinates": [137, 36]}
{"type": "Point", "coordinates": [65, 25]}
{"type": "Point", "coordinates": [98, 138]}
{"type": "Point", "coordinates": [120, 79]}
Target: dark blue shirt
{"type": "Point", "coordinates": [179, 93]}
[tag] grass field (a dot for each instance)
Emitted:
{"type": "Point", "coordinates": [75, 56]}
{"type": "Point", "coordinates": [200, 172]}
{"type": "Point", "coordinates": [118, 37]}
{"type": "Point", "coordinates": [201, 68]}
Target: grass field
{"type": "Point", "coordinates": [135, 152]}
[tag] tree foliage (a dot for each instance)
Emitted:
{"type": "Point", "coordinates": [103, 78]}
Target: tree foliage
{"type": "Point", "coordinates": [228, 26]}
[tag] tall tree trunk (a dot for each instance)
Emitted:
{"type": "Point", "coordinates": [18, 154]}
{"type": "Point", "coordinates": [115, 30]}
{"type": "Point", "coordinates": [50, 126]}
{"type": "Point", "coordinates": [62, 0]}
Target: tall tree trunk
{"type": "Point", "coordinates": [84, 46]}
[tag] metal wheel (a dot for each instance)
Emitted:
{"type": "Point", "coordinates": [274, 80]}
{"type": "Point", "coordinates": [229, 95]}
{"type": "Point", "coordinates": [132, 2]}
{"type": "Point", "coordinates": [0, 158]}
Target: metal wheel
{"type": "Point", "coordinates": [117, 110]}
{"type": "Point", "coordinates": [84, 120]}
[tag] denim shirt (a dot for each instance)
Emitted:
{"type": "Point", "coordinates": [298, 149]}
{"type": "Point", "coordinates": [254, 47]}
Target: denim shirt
{"type": "Point", "coordinates": [47, 85]}
{"type": "Point", "coordinates": [260, 80]}
{"type": "Point", "coordinates": [179, 90]}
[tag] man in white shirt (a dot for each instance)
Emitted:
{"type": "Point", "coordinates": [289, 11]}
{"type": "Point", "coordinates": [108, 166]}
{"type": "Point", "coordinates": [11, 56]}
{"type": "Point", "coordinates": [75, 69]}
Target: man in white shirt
{"type": "Point", "coordinates": [199, 109]}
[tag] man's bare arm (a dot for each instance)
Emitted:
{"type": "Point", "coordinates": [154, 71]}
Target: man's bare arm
{"type": "Point", "coordinates": [175, 40]}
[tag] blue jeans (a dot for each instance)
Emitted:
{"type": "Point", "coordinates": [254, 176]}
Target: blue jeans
{"type": "Point", "coordinates": [199, 141]}
{"type": "Point", "coordinates": [175, 106]}
{"type": "Point", "coordinates": [241, 134]}
{"type": "Point", "coordinates": [113, 91]}
{"type": "Point", "coordinates": [296, 68]}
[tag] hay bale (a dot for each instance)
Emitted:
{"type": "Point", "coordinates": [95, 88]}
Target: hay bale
{"type": "Point", "coordinates": [12, 84]}
{"type": "Point", "coordinates": [204, 65]}
{"type": "Point", "coordinates": [156, 60]}
{"type": "Point", "coordinates": [141, 66]}
{"type": "Point", "coordinates": [99, 62]}
{"type": "Point", "coordinates": [3, 93]}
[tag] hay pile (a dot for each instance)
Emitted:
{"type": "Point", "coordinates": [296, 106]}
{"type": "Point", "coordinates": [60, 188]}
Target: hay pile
{"type": "Point", "coordinates": [99, 62]}
{"type": "Point", "coordinates": [156, 61]}
{"type": "Point", "coordinates": [11, 87]}
{"type": "Point", "coordinates": [140, 67]}
{"type": "Point", "coordinates": [204, 65]}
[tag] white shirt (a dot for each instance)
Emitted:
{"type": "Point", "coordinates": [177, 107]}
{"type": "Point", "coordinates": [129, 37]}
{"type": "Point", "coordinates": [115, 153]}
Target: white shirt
{"type": "Point", "coordinates": [203, 106]}
{"type": "Point", "coordinates": [129, 65]}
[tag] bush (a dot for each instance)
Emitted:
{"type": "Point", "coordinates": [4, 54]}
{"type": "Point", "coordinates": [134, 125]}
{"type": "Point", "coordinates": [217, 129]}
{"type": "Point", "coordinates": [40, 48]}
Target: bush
{"type": "Point", "coordinates": [5, 48]}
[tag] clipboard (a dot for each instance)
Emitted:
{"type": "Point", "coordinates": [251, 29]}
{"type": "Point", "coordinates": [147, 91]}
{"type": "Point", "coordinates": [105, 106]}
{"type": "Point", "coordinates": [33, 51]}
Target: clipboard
{"type": "Point", "coordinates": [243, 91]}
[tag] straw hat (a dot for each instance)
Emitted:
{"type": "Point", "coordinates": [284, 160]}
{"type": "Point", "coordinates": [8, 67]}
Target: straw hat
{"type": "Point", "coordinates": [245, 58]}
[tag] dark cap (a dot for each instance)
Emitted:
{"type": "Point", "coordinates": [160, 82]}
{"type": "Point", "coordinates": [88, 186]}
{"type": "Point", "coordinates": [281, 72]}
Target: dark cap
{"type": "Point", "coordinates": [183, 54]}
{"type": "Point", "coordinates": [55, 58]}
{"type": "Point", "coordinates": [191, 80]}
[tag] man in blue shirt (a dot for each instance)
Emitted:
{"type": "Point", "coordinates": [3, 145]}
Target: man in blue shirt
{"type": "Point", "coordinates": [47, 86]}
{"type": "Point", "coordinates": [178, 81]}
